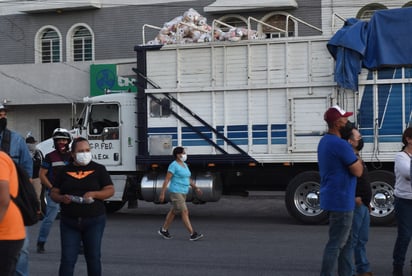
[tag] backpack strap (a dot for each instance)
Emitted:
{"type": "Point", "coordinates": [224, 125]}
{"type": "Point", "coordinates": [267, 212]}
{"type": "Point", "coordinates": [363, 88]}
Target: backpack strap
{"type": "Point", "coordinates": [5, 142]}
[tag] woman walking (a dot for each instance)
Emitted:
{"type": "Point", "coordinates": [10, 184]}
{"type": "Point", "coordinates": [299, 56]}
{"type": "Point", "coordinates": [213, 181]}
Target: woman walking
{"type": "Point", "coordinates": [178, 174]}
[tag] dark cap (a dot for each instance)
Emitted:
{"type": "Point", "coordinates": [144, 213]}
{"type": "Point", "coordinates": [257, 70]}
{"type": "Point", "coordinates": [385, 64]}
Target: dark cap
{"type": "Point", "coordinates": [334, 113]}
{"type": "Point", "coordinates": [30, 140]}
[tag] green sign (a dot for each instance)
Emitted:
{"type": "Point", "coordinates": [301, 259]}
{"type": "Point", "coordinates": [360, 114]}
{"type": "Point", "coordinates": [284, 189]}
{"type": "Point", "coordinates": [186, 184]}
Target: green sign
{"type": "Point", "coordinates": [104, 77]}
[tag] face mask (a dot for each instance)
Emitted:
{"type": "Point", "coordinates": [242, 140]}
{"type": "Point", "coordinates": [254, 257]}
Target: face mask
{"type": "Point", "coordinates": [359, 147]}
{"type": "Point", "coordinates": [62, 147]}
{"type": "Point", "coordinates": [3, 124]}
{"type": "Point", "coordinates": [183, 157]}
{"type": "Point", "coordinates": [346, 130]}
{"type": "Point", "coordinates": [83, 158]}
{"type": "Point", "coordinates": [32, 147]}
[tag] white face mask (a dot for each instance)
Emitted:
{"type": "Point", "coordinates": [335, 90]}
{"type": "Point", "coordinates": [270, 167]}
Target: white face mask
{"type": "Point", "coordinates": [32, 147]}
{"type": "Point", "coordinates": [183, 157]}
{"type": "Point", "coordinates": [83, 158]}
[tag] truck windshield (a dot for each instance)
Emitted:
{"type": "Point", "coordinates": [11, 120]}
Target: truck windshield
{"type": "Point", "coordinates": [103, 116]}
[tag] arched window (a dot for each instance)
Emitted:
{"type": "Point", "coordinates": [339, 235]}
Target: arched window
{"type": "Point", "coordinates": [278, 20]}
{"type": "Point", "coordinates": [48, 45]}
{"type": "Point", "coordinates": [80, 43]}
{"type": "Point", "coordinates": [367, 11]}
{"type": "Point", "coordinates": [232, 20]}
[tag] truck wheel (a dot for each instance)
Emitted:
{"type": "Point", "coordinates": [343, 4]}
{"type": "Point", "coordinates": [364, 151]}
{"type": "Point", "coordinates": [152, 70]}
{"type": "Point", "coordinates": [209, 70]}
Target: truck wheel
{"type": "Point", "coordinates": [382, 203]}
{"type": "Point", "coordinates": [302, 198]}
{"type": "Point", "coordinates": [113, 206]}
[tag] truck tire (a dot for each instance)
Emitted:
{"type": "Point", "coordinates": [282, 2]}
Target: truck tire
{"type": "Point", "coordinates": [382, 203]}
{"type": "Point", "coordinates": [302, 198]}
{"type": "Point", "coordinates": [113, 206]}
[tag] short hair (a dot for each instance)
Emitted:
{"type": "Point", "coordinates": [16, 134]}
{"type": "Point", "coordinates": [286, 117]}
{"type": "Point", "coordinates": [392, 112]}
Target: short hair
{"type": "Point", "coordinates": [178, 150]}
{"type": "Point", "coordinates": [406, 134]}
{"type": "Point", "coordinates": [76, 141]}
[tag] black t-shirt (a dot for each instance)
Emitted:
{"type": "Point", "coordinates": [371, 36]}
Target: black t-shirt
{"type": "Point", "coordinates": [77, 180]}
{"type": "Point", "coordinates": [37, 159]}
{"type": "Point", "coordinates": [363, 187]}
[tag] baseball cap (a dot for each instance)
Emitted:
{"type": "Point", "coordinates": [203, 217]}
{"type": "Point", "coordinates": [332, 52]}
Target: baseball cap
{"type": "Point", "coordinates": [334, 113]}
{"type": "Point", "coordinates": [2, 107]}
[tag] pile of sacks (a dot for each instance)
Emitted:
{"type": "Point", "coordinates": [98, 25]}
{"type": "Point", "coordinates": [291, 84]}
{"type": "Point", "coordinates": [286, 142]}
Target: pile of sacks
{"type": "Point", "coordinates": [193, 28]}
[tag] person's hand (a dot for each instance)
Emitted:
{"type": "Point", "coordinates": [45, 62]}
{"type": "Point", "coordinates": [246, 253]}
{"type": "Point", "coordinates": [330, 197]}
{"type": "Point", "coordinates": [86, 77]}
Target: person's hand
{"type": "Point", "coordinates": [162, 197]}
{"type": "Point", "coordinates": [198, 191]}
{"type": "Point", "coordinates": [358, 201]}
{"type": "Point", "coordinates": [66, 199]}
{"type": "Point", "coordinates": [89, 196]}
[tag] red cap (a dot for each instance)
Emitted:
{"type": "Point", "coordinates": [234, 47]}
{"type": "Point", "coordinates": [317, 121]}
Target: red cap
{"type": "Point", "coordinates": [334, 113]}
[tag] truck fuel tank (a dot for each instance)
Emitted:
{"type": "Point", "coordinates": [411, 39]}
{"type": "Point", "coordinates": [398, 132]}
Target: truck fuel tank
{"type": "Point", "coordinates": [209, 183]}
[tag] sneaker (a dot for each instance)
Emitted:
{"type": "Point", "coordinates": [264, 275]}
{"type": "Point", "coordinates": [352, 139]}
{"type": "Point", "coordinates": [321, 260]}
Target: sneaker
{"type": "Point", "coordinates": [196, 236]}
{"type": "Point", "coordinates": [40, 247]}
{"type": "Point", "coordinates": [165, 234]}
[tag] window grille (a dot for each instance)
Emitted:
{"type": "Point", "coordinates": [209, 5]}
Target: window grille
{"type": "Point", "coordinates": [50, 47]}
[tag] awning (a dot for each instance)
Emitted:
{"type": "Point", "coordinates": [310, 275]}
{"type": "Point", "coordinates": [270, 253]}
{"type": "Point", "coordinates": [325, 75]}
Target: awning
{"type": "Point", "coordinates": [247, 5]}
{"type": "Point", "coordinates": [59, 6]}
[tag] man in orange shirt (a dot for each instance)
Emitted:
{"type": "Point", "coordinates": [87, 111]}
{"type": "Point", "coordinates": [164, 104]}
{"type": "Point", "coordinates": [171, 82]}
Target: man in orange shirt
{"type": "Point", "coordinates": [12, 232]}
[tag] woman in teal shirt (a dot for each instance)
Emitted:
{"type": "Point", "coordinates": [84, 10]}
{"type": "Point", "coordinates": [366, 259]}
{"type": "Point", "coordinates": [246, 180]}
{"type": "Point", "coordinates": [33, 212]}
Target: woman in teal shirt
{"type": "Point", "coordinates": [178, 174]}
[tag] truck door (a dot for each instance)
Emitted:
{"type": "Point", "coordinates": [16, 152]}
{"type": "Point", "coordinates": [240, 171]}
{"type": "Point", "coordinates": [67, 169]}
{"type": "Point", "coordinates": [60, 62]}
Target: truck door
{"type": "Point", "coordinates": [103, 133]}
{"type": "Point", "coordinates": [306, 123]}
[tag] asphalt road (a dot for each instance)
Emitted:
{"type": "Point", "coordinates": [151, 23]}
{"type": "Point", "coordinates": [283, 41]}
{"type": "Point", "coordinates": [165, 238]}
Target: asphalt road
{"type": "Point", "coordinates": [243, 236]}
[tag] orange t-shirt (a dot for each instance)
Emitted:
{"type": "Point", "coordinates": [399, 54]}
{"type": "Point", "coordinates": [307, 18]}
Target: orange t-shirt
{"type": "Point", "coordinates": [11, 226]}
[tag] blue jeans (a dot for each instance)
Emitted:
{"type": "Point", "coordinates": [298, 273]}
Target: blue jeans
{"type": "Point", "coordinates": [338, 248]}
{"type": "Point", "coordinates": [22, 266]}
{"type": "Point", "coordinates": [360, 235]}
{"type": "Point", "coordinates": [90, 232]}
{"type": "Point", "coordinates": [403, 211]}
{"type": "Point", "coordinates": [52, 210]}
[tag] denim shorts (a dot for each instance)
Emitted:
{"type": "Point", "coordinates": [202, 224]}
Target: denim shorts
{"type": "Point", "coordinates": [178, 202]}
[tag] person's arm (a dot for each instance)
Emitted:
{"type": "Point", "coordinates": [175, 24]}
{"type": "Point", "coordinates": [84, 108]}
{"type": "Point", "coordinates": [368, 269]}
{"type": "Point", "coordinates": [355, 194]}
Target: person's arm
{"type": "Point", "coordinates": [356, 168]}
{"type": "Point", "coordinates": [106, 192]}
{"type": "Point", "coordinates": [169, 176]}
{"type": "Point", "coordinates": [4, 198]}
{"type": "Point", "coordinates": [402, 165]}
{"type": "Point", "coordinates": [25, 158]}
{"type": "Point", "coordinates": [58, 197]}
{"type": "Point", "coordinates": [194, 187]}
{"type": "Point", "coordinates": [44, 179]}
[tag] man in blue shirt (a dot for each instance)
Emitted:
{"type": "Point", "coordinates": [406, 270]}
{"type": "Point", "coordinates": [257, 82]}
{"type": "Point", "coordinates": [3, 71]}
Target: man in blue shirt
{"type": "Point", "coordinates": [14, 144]}
{"type": "Point", "coordinates": [338, 168]}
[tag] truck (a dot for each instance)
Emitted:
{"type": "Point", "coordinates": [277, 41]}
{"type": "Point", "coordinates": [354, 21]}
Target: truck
{"type": "Point", "coordinates": [250, 116]}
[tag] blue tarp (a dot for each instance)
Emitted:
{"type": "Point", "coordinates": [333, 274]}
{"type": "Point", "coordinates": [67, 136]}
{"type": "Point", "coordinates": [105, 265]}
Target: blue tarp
{"type": "Point", "coordinates": [384, 41]}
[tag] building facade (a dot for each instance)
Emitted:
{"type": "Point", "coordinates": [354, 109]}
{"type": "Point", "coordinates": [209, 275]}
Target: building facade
{"type": "Point", "coordinates": [54, 53]}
